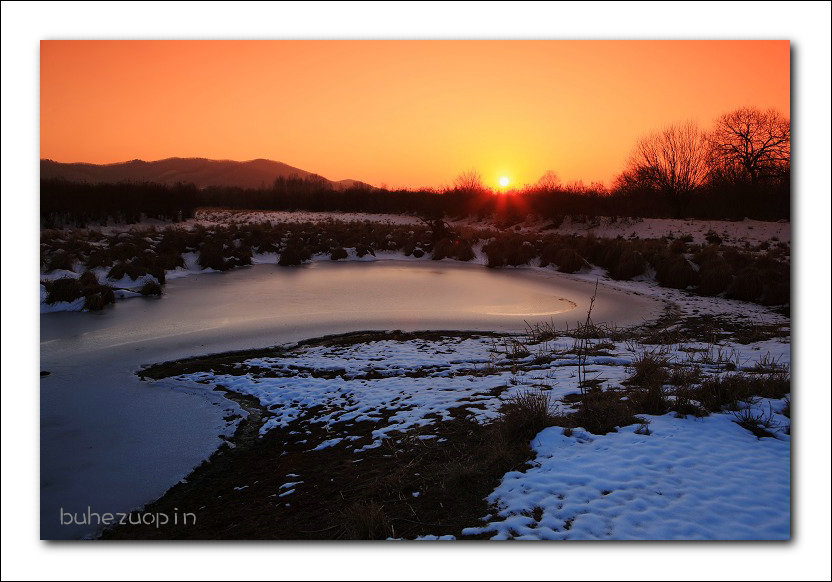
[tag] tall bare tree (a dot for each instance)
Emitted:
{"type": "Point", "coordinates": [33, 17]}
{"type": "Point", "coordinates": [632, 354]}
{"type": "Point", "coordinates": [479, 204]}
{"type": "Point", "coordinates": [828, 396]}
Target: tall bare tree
{"type": "Point", "coordinates": [672, 162]}
{"type": "Point", "coordinates": [751, 144]}
{"type": "Point", "coordinates": [549, 181]}
{"type": "Point", "coordinates": [470, 181]}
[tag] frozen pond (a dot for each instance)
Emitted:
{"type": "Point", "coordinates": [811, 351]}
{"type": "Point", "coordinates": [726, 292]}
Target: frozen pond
{"type": "Point", "coordinates": [112, 443]}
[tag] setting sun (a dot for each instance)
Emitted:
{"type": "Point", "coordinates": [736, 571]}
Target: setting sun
{"type": "Point", "coordinates": [435, 132]}
{"type": "Point", "coordinates": [257, 193]}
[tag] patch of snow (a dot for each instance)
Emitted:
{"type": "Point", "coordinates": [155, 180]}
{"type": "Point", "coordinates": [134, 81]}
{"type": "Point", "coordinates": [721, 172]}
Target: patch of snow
{"type": "Point", "coordinates": [688, 479]}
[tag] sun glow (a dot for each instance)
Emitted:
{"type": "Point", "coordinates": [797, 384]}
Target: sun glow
{"type": "Point", "coordinates": [504, 181]}
{"type": "Point", "coordinates": [410, 126]}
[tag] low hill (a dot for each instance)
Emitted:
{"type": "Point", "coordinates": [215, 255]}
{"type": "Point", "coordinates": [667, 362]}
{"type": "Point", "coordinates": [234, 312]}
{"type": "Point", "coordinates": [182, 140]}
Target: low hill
{"type": "Point", "coordinates": [199, 171]}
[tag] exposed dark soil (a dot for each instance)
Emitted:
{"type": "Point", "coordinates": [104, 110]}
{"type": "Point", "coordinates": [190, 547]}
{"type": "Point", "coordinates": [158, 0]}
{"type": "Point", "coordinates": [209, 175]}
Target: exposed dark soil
{"type": "Point", "coordinates": [343, 495]}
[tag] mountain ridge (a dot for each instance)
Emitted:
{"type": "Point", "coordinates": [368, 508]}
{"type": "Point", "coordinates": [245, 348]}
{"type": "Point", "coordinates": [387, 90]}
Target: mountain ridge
{"type": "Point", "coordinates": [203, 172]}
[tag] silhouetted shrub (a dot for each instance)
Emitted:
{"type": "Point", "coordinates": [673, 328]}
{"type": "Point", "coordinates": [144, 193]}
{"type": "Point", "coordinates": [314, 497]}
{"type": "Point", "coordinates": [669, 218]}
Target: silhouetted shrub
{"type": "Point", "coordinates": [338, 253]}
{"type": "Point", "coordinates": [713, 238]}
{"type": "Point", "coordinates": [443, 248]}
{"type": "Point", "coordinates": [747, 285]}
{"type": "Point", "coordinates": [568, 261]}
{"type": "Point", "coordinates": [512, 250]}
{"type": "Point", "coordinates": [714, 277]}
{"type": "Point", "coordinates": [212, 256]}
{"type": "Point", "coordinates": [629, 264]}
{"type": "Point", "coordinates": [707, 254]}
{"type": "Point", "coordinates": [363, 249]}
{"type": "Point", "coordinates": [683, 405]}
{"type": "Point", "coordinates": [294, 255]}
{"type": "Point", "coordinates": [680, 245]}
{"type": "Point", "coordinates": [59, 260]}
{"type": "Point", "coordinates": [64, 289]}
{"type": "Point", "coordinates": [170, 260]}
{"type": "Point", "coordinates": [240, 256]}
{"type": "Point", "coordinates": [97, 300]}
{"type": "Point", "coordinates": [649, 369]}
{"type": "Point", "coordinates": [548, 253]}
{"type": "Point", "coordinates": [716, 393]}
{"type": "Point", "coordinates": [458, 249]}
{"type": "Point", "coordinates": [121, 269]}
{"type": "Point", "coordinates": [777, 293]}
{"type": "Point", "coordinates": [675, 271]}
{"type": "Point", "coordinates": [758, 422]}
{"type": "Point", "coordinates": [151, 288]}
{"type": "Point", "coordinates": [98, 258]}
{"type": "Point", "coordinates": [96, 296]}
{"type": "Point", "coordinates": [88, 280]}
{"type": "Point", "coordinates": [463, 251]}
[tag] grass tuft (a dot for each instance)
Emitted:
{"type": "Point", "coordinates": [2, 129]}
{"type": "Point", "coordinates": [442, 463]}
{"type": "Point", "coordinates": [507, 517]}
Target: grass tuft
{"type": "Point", "coordinates": [760, 423]}
{"type": "Point", "coordinates": [525, 414]}
{"type": "Point", "coordinates": [366, 520]}
{"type": "Point", "coordinates": [603, 411]}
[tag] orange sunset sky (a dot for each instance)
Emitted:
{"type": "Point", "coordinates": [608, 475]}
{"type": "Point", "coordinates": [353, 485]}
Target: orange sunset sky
{"type": "Point", "coordinates": [399, 113]}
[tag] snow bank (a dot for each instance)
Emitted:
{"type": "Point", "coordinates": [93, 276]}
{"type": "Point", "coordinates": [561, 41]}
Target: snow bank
{"type": "Point", "coordinates": [688, 479]}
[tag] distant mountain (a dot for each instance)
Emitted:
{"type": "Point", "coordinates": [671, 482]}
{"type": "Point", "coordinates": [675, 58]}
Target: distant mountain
{"type": "Point", "coordinates": [200, 171]}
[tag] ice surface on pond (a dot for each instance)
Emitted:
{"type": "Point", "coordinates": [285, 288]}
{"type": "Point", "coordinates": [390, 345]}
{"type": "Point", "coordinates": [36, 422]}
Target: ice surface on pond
{"type": "Point", "coordinates": [134, 440]}
{"type": "Point", "coordinates": [406, 384]}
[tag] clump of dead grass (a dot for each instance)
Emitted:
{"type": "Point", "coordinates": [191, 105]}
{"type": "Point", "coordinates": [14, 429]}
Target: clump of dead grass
{"type": "Point", "coordinates": [526, 414]}
{"type": "Point", "coordinates": [365, 520]}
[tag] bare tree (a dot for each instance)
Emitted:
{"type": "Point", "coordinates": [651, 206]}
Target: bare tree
{"type": "Point", "coordinates": [549, 181]}
{"type": "Point", "coordinates": [672, 162]}
{"type": "Point", "coordinates": [470, 181]}
{"type": "Point", "coordinates": [751, 144]}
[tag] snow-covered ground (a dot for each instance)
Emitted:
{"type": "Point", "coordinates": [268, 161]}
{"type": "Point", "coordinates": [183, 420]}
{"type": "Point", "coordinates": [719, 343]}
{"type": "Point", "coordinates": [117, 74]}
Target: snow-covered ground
{"type": "Point", "coordinates": [689, 478]}
{"type": "Point", "coordinates": [732, 232]}
{"type": "Point", "coordinates": [222, 217]}
{"type": "Point", "coordinates": [421, 379]}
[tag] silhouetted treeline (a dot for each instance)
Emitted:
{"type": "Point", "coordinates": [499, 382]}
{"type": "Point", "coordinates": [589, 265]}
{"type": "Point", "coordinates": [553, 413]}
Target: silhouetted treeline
{"type": "Point", "coordinates": [738, 168]}
{"type": "Point", "coordinates": [79, 204]}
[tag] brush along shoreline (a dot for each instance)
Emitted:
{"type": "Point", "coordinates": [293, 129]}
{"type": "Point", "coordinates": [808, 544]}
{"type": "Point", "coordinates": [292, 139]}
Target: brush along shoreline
{"type": "Point", "coordinates": [87, 269]}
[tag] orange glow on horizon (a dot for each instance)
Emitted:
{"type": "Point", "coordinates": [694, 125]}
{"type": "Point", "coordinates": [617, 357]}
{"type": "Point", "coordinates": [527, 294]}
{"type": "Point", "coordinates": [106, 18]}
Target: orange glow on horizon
{"type": "Point", "coordinates": [396, 113]}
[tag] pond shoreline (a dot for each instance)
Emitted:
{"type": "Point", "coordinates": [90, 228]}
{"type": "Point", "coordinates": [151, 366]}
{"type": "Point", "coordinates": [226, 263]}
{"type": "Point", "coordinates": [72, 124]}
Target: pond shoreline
{"type": "Point", "coordinates": [95, 411]}
{"type": "Point", "coordinates": [330, 495]}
